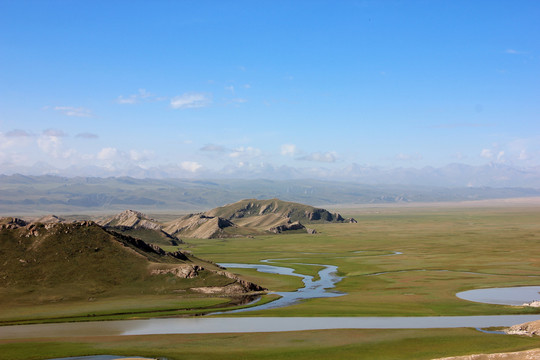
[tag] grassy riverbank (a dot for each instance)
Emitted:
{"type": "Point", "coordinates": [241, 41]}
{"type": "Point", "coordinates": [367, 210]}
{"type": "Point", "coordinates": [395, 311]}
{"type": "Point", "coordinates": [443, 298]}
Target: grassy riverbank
{"type": "Point", "coordinates": [308, 345]}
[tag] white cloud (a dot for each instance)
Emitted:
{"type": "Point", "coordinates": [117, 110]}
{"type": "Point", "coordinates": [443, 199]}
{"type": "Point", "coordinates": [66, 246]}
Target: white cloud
{"type": "Point", "coordinates": [135, 98]}
{"type": "Point", "coordinates": [50, 142]}
{"type": "Point", "coordinates": [123, 100]}
{"type": "Point", "coordinates": [190, 100]}
{"type": "Point", "coordinates": [14, 138]}
{"type": "Point", "coordinates": [523, 155]}
{"type": "Point", "coordinates": [327, 157]}
{"type": "Point", "coordinates": [140, 156]}
{"type": "Point", "coordinates": [108, 153]}
{"type": "Point", "coordinates": [486, 153]}
{"type": "Point", "coordinates": [230, 88]}
{"type": "Point", "coordinates": [74, 111]}
{"type": "Point", "coordinates": [245, 152]}
{"type": "Point", "coordinates": [191, 166]}
{"type": "Point", "coordinates": [288, 150]}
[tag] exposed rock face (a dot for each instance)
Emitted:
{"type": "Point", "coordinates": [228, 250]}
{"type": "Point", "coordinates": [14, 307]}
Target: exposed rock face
{"type": "Point", "coordinates": [529, 329]}
{"type": "Point", "coordinates": [11, 223]}
{"type": "Point", "coordinates": [145, 247]}
{"type": "Point", "coordinates": [184, 271]}
{"type": "Point", "coordinates": [139, 225]}
{"type": "Point", "coordinates": [321, 214]}
{"type": "Point", "coordinates": [248, 286]}
{"type": "Point", "coordinates": [49, 219]}
{"type": "Point", "coordinates": [251, 217]}
{"type": "Point", "coordinates": [238, 287]}
{"type": "Point", "coordinates": [519, 355]}
{"type": "Point", "coordinates": [282, 209]}
{"type": "Point", "coordinates": [131, 219]}
{"type": "Point", "coordinates": [535, 303]}
{"type": "Point", "coordinates": [198, 226]}
{"type": "Point", "coordinates": [286, 227]}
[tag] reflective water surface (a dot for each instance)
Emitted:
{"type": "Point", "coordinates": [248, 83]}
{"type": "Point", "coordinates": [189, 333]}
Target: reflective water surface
{"type": "Point", "coordinates": [502, 296]}
{"type": "Point", "coordinates": [205, 325]}
{"type": "Point", "coordinates": [312, 288]}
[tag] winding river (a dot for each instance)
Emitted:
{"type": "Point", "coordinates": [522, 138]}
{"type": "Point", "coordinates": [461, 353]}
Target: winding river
{"type": "Point", "coordinates": [312, 289]}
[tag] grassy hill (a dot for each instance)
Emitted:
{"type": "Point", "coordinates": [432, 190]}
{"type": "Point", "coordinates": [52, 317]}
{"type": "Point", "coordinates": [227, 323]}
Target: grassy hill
{"type": "Point", "coordinates": [43, 264]}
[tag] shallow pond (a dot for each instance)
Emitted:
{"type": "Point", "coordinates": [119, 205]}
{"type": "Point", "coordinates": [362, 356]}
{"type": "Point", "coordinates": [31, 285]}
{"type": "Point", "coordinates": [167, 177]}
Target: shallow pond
{"type": "Point", "coordinates": [502, 296]}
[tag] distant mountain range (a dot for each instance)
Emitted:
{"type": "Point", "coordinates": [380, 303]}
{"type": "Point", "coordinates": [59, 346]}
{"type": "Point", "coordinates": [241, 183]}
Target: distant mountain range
{"type": "Point", "coordinates": [452, 175]}
{"type": "Point", "coordinates": [20, 194]}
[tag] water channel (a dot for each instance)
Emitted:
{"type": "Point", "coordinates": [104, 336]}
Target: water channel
{"type": "Point", "coordinates": [312, 289]}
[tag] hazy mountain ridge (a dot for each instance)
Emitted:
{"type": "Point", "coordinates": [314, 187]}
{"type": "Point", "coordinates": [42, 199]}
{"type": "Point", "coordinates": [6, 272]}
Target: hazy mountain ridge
{"type": "Point", "coordinates": [20, 194]}
{"type": "Point", "coordinates": [494, 174]}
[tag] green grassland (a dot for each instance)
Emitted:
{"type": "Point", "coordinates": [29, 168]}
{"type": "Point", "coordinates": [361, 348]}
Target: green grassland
{"type": "Point", "coordinates": [440, 251]}
{"type": "Point", "coordinates": [302, 345]}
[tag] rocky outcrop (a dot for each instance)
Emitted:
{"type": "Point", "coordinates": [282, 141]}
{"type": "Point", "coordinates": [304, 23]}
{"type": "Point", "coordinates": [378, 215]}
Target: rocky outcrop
{"type": "Point", "coordinates": [324, 215]}
{"type": "Point", "coordinates": [519, 355]}
{"type": "Point", "coordinates": [183, 271]}
{"type": "Point", "coordinates": [248, 286]}
{"type": "Point", "coordinates": [146, 247]}
{"type": "Point", "coordinates": [531, 328]}
{"type": "Point", "coordinates": [199, 226]}
{"type": "Point", "coordinates": [287, 227]}
{"type": "Point", "coordinates": [11, 223]}
{"type": "Point", "coordinates": [49, 219]}
{"type": "Point", "coordinates": [535, 304]}
{"type": "Point", "coordinates": [131, 219]}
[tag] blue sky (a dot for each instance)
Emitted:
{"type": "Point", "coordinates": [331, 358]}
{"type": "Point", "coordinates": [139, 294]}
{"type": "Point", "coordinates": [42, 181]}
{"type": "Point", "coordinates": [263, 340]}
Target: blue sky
{"type": "Point", "coordinates": [209, 86]}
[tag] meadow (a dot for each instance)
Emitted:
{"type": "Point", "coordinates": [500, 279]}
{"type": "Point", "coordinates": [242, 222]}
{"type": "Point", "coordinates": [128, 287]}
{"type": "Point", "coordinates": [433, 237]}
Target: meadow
{"type": "Point", "coordinates": [396, 261]}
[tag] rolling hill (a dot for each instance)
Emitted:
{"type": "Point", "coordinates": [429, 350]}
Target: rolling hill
{"type": "Point", "coordinates": [251, 217]}
{"type": "Point", "coordinates": [56, 262]}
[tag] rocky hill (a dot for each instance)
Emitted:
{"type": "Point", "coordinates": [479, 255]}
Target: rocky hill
{"type": "Point", "coordinates": [199, 226]}
{"type": "Point", "coordinates": [131, 219]}
{"type": "Point", "coordinates": [83, 260]}
{"type": "Point", "coordinates": [251, 217]}
{"type": "Point", "coordinates": [253, 208]}
{"type": "Point", "coordinates": [137, 224]}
